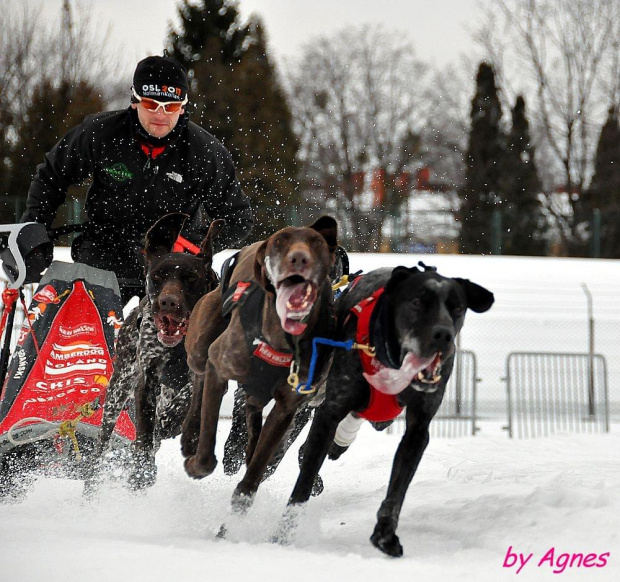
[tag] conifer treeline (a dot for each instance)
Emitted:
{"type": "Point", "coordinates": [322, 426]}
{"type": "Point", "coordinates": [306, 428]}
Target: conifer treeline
{"type": "Point", "coordinates": [237, 95]}
{"type": "Point", "coordinates": [500, 207]}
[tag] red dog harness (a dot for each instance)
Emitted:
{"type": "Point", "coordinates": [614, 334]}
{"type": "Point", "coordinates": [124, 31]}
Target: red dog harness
{"type": "Point", "coordinates": [381, 407]}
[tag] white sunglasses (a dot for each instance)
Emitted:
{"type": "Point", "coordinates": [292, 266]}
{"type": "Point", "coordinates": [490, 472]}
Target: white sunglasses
{"type": "Point", "coordinates": [152, 105]}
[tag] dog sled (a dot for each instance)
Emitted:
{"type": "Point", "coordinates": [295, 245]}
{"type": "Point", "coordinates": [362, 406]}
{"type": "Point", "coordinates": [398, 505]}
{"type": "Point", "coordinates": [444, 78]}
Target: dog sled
{"type": "Point", "coordinates": [54, 373]}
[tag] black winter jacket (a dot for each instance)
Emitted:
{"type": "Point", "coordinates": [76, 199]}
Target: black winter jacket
{"type": "Point", "coordinates": [130, 191]}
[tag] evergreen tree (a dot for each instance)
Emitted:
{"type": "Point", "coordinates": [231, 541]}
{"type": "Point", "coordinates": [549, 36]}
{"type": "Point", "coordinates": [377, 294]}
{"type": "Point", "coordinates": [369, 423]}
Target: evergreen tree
{"type": "Point", "coordinates": [480, 194]}
{"type": "Point", "coordinates": [209, 42]}
{"type": "Point", "coordinates": [605, 188]}
{"type": "Point", "coordinates": [237, 96]}
{"type": "Point", "coordinates": [264, 141]}
{"type": "Point", "coordinates": [524, 224]}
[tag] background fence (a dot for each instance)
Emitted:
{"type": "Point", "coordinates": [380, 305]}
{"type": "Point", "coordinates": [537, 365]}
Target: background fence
{"type": "Point", "coordinates": [551, 392]}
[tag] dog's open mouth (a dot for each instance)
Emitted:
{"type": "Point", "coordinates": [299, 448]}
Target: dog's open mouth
{"type": "Point", "coordinates": [170, 330]}
{"type": "Point", "coordinates": [421, 373]}
{"type": "Point", "coordinates": [427, 379]}
{"type": "Point", "coordinates": [295, 297]}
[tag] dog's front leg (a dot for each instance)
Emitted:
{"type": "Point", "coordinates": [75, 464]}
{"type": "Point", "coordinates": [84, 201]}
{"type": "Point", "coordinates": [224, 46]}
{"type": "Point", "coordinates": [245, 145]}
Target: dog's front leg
{"type": "Point", "coordinates": [322, 431]}
{"type": "Point", "coordinates": [191, 424]}
{"type": "Point", "coordinates": [122, 382]}
{"type": "Point", "coordinates": [406, 461]}
{"type": "Point", "coordinates": [119, 390]}
{"type": "Point", "coordinates": [144, 471]}
{"type": "Point", "coordinates": [302, 416]}
{"type": "Point", "coordinates": [203, 462]}
{"type": "Point", "coordinates": [237, 441]}
{"type": "Point", "coordinates": [271, 435]}
{"type": "Point", "coordinates": [254, 426]}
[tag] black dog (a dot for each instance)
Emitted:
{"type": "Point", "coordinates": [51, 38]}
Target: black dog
{"type": "Point", "coordinates": [408, 320]}
{"type": "Point", "coordinates": [151, 362]}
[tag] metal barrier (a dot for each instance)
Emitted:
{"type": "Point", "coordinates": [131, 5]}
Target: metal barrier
{"type": "Point", "coordinates": [549, 392]}
{"type": "Point", "coordinates": [457, 414]}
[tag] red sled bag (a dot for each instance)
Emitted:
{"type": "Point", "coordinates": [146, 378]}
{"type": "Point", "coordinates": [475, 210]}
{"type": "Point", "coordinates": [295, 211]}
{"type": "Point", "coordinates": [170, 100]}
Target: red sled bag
{"type": "Point", "coordinates": [52, 399]}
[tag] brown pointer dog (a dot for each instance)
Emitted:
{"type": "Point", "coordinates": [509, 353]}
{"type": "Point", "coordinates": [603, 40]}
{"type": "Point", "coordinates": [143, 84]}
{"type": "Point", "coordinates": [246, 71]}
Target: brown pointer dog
{"type": "Point", "coordinates": [150, 362]}
{"type": "Point", "coordinates": [291, 269]}
{"type": "Point", "coordinates": [411, 319]}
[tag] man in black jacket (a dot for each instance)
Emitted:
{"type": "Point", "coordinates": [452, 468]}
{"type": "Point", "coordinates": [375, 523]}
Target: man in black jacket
{"type": "Point", "coordinates": [145, 161]}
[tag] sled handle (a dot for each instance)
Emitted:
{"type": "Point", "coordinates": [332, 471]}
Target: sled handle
{"type": "Point", "coordinates": [13, 230]}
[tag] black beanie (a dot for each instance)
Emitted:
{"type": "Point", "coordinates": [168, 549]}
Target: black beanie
{"type": "Point", "coordinates": [161, 78]}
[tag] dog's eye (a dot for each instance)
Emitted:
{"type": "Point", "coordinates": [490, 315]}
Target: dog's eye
{"type": "Point", "coordinates": [192, 279]}
{"type": "Point", "coordinates": [416, 303]}
{"type": "Point", "coordinates": [456, 310]}
{"type": "Point", "coordinates": [156, 278]}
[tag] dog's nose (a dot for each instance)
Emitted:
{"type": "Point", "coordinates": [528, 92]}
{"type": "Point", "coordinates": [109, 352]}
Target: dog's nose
{"type": "Point", "coordinates": [442, 336]}
{"type": "Point", "coordinates": [298, 259]}
{"type": "Point", "coordinates": [168, 302]}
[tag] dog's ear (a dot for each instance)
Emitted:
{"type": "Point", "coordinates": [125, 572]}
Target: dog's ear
{"type": "Point", "coordinates": [479, 299]}
{"type": "Point", "coordinates": [399, 274]}
{"type": "Point", "coordinates": [260, 269]}
{"type": "Point", "coordinates": [161, 237]}
{"type": "Point", "coordinates": [206, 247]}
{"type": "Point", "coordinates": [328, 227]}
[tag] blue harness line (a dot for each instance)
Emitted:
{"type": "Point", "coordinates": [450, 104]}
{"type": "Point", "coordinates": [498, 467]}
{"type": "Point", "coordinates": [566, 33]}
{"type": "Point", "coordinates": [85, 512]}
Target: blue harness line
{"type": "Point", "coordinates": [306, 387]}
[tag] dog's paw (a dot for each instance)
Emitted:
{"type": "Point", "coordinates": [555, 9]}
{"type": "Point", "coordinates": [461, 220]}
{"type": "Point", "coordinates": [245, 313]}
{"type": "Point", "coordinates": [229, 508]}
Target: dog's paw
{"type": "Point", "coordinates": [385, 539]}
{"type": "Point", "coordinates": [317, 486]}
{"type": "Point", "coordinates": [234, 447]}
{"type": "Point", "coordinates": [335, 451]}
{"type": "Point", "coordinates": [197, 470]}
{"type": "Point", "coordinates": [142, 476]}
{"type": "Point", "coordinates": [232, 461]}
{"type": "Point", "coordinates": [241, 501]}
{"type": "Point", "coordinates": [93, 477]}
{"type": "Point", "coordinates": [287, 527]}
{"type": "Point", "coordinates": [188, 445]}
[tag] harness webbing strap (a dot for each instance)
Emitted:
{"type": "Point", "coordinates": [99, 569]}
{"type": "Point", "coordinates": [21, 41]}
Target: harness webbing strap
{"type": "Point", "coordinates": [381, 406]}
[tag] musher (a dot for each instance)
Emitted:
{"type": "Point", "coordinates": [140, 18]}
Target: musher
{"type": "Point", "coordinates": [145, 161]}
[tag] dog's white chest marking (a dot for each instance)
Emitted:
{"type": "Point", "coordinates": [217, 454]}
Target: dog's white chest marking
{"type": "Point", "coordinates": [272, 274]}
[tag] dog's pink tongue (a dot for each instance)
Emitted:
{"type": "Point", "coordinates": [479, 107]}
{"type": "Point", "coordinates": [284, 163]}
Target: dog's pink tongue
{"type": "Point", "coordinates": [293, 327]}
{"type": "Point", "coordinates": [293, 303]}
{"type": "Point", "coordinates": [393, 381]}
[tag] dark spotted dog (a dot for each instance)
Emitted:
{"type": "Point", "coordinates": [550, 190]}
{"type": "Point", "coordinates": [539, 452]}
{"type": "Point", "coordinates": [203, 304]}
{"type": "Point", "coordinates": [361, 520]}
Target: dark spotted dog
{"type": "Point", "coordinates": [260, 334]}
{"type": "Point", "coordinates": [408, 320]}
{"type": "Point", "coordinates": [151, 363]}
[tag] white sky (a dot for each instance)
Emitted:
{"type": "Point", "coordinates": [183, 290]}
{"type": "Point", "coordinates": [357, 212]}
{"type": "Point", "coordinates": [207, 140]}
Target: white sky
{"type": "Point", "coordinates": [439, 29]}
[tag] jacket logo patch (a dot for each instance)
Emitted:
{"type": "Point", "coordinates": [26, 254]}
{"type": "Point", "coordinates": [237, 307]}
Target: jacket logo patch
{"type": "Point", "coordinates": [119, 172]}
{"type": "Point", "coordinates": [266, 353]}
{"type": "Point", "coordinates": [174, 176]}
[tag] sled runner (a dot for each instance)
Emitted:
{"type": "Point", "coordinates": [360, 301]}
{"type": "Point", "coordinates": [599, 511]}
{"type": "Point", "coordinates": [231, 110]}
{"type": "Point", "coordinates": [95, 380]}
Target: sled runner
{"type": "Point", "coordinates": [55, 385]}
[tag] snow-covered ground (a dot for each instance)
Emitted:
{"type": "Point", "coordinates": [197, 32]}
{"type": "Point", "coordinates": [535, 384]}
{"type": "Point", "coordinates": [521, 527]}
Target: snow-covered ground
{"type": "Point", "coordinates": [472, 499]}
